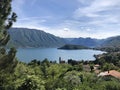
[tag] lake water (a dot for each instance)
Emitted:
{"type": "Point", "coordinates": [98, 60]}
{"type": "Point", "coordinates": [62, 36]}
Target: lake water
{"type": "Point", "coordinates": [28, 54]}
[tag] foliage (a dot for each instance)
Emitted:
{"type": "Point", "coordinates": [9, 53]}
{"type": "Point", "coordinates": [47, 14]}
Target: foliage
{"type": "Point", "coordinates": [32, 83]}
{"type": "Point", "coordinates": [6, 20]}
{"type": "Point", "coordinates": [73, 47]}
{"type": "Point", "coordinates": [113, 57]}
{"type": "Point", "coordinates": [91, 67]}
{"type": "Point", "coordinates": [8, 62]}
{"type": "Point", "coordinates": [58, 77]}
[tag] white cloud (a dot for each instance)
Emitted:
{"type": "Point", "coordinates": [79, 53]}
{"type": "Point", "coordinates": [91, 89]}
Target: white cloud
{"type": "Point", "coordinates": [92, 18]}
{"type": "Point", "coordinates": [35, 23]}
{"type": "Point", "coordinates": [32, 19]}
{"type": "Point", "coordinates": [64, 32]}
{"type": "Point", "coordinates": [97, 6]}
{"type": "Point", "coordinates": [66, 29]}
{"type": "Point", "coordinates": [77, 33]}
{"type": "Point", "coordinates": [101, 14]}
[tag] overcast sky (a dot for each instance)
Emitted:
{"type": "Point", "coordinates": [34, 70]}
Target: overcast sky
{"type": "Point", "coordinates": [70, 18]}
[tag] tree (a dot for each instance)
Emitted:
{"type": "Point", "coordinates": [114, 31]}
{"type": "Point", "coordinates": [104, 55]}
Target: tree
{"type": "Point", "coordinates": [7, 17]}
{"type": "Point", "coordinates": [7, 60]}
{"type": "Point", "coordinates": [107, 67]}
{"type": "Point", "coordinates": [81, 78]}
{"type": "Point", "coordinates": [32, 83]}
{"type": "Point", "coordinates": [91, 67]}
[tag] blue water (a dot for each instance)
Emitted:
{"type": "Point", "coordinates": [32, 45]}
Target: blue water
{"type": "Point", "coordinates": [28, 54]}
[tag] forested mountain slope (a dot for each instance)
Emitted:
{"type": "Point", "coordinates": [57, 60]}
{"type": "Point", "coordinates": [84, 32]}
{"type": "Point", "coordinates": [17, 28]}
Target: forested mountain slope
{"type": "Point", "coordinates": [23, 37]}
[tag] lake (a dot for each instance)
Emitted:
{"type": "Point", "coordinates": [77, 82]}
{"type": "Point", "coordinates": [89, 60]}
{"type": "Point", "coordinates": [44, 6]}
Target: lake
{"type": "Point", "coordinates": [28, 54]}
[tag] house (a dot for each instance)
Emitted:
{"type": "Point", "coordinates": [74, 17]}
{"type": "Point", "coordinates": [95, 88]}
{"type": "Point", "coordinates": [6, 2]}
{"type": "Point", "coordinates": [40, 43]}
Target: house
{"type": "Point", "coordinates": [96, 67]}
{"type": "Point", "coordinates": [113, 73]}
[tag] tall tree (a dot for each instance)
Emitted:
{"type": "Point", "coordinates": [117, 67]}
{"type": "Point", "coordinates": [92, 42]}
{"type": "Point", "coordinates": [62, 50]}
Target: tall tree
{"type": "Point", "coordinates": [7, 60]}
{"type": "Point", "coordinates": [7, 18]}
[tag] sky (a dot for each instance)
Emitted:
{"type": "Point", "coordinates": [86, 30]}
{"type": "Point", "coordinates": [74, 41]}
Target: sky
{"type": "Point", "coordinates": [70, 18]}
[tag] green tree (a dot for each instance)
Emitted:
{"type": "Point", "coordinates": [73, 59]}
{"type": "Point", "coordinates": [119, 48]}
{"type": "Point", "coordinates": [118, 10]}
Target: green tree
{"type": "Point", "coordinates": [91, 67]}
{"type": "Point", "coordinates": [7, 17]}
{"type": "Point", "coordinates": [7, 60]}
{"type": "Point", "coordinates": [81, 78]}
{"type": "Point", "coordinates": [32, 83]}
{"type": "Point", "coordinates": [107, 67]}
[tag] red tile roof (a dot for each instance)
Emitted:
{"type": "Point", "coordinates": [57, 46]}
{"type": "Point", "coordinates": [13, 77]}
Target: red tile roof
{"type": "Point", "coordinates": [113, 73]}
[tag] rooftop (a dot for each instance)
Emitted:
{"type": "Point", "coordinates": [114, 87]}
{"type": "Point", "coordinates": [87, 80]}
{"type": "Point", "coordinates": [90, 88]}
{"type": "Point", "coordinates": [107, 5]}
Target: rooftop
{"type": "Point", "coordinates": [113, 73]}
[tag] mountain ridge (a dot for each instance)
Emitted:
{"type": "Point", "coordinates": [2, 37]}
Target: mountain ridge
{"type": "Point", "coordinates": [23, 37]}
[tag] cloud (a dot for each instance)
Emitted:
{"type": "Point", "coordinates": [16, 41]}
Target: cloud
{"type": "Point", "coordinates": [35, 23]}
{"type": "Point", "coordinates": [86, 18]}
{"type": "Point", "coordinates": [66, 29]}
{"type": "Point", "coordinates": [32, 19]}
{"type": "Point", "coordinates": [99, 14]}
{"type": "Point", "coordinates": [64, 32]}
{"type": "Point", "coordinates": [100, 11]}
{"type": "Point", "coordinates": [77, 33]}
{"type": "Point", "coordinates": [97, 6]}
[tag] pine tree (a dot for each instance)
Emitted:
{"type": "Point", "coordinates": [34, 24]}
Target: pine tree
{"type": "Point", "coordinates": [7, 18]}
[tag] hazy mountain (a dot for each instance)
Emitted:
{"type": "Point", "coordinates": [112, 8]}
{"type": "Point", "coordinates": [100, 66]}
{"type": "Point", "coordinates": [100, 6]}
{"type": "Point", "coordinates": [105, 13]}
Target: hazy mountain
{"type": "Point", "coordinates": [111, 42]}
{"type": "Point", "coordinates": [88, 42]}
{"type": "Point", "coordinates": [23, 37]}
{"type": "Point", "coordinates": [69, 39]}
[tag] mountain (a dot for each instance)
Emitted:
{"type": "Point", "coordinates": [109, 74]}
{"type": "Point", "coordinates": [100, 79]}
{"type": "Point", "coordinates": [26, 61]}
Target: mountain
{"type": "Point", "coordinates": [69, 39]}
{"type": "Point", "coordinates": [23, 37]}
{"type": "Point", "coordinates": [111, 42]}
{"type": "Point", "coordinates": [72, 47]}
{"type": "Point", "coordinates": [88, 42]}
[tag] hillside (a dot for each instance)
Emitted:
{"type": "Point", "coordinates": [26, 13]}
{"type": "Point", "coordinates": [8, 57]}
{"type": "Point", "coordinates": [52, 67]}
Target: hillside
{"type": "Point", "coordinates": [23, 37]}
{"type": "Point", "coordinates": [112, 42]}
{"type": "Point", "coordinates": [88, 42]}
